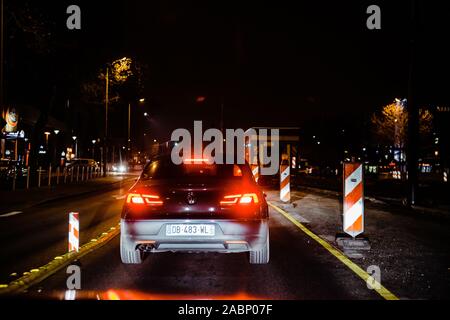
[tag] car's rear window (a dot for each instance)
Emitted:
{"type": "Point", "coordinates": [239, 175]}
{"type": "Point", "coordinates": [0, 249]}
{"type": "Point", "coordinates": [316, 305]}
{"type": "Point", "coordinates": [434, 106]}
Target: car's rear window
{"type": "Point", "coordinates": [163, 169]}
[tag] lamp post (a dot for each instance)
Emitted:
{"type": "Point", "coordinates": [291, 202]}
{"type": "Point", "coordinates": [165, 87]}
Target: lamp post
{"type": "Point", "coordinates": [76, 146]}
{"type": "Point", "coordinates": [55, 145]}
{"type": "Point", "coordinates": [121, 70]}
{"type": "Point", "coordinates": [47, 133]}
{"type": "Point", "coordinates": [93, 149]}
{"type": "Point", "coordinates": [129, 130]}
{"type": "Point", "coordinates": [106, 121]}
{"type": "Point", "coordinates": [141, 101]}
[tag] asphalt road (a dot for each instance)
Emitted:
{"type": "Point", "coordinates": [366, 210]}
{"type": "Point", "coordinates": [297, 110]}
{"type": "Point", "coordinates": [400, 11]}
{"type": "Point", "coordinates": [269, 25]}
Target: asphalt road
{"type": "Point", "coordinates": [38, 234]}
{"type": "Point", "coordinates": [299, 267]}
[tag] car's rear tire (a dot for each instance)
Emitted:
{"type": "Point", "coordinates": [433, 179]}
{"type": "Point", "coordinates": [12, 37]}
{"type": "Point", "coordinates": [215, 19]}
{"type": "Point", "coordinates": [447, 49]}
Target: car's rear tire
{"type": "Point", "coordinates": [128, 253]}
{"type": "Point", "coordinates": [262, 255]}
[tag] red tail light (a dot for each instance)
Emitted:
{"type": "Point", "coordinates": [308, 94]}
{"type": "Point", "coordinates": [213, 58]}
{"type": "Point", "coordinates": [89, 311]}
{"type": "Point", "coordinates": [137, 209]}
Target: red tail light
{"type": "Point", "coordinates": [246, 198]}
{"type": "Point", "coordinates": [195, 161]}
{"type": "Point", "coordinates": [144, 199]}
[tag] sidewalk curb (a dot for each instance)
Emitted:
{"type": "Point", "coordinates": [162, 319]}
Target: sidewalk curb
{"type": "Point", "coordinates": [38, 275]}
{"type": "Point", "coordinates": [432, 212]}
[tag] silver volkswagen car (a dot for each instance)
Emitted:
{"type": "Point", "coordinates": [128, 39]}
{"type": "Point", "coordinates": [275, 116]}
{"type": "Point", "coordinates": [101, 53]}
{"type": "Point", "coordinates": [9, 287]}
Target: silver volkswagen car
{"type": "Point", "coordinates": [194, 207]}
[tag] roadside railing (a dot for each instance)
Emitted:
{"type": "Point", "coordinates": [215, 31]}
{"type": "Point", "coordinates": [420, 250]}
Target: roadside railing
{"type": "Point", "coordinates": [50, 176]}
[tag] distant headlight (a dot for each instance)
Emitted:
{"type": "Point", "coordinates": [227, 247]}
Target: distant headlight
{"type": "Point", "coordinates": [114, 168]}
{"type": "Point", "coordinates": [122, 169]}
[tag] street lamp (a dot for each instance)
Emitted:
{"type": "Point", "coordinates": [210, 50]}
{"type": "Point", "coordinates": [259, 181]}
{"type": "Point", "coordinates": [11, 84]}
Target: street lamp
{"type": "Point", "coordinates": [141, 101]}
{"type": "Point", "coordinates": [93, 148]}
{"type": "Point", "coordinates": [55, 145]}
{"type": "Point", "coordinates": [47, 133]}
{"type": "Point", "coordinates": [121, 70]}
{"type": "Point", "coordinates": [76, 145]}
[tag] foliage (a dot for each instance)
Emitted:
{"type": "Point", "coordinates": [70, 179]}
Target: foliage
{"type": "Point", "coordinates": [31, 25]}
{"type": "Point", "coordinates": [391, 124]}
{"type": "Point", "coordinates": [125, 83]}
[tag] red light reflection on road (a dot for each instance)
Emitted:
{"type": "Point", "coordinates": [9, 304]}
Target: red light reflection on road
{"type": "Point", "coordinates": [137, 295]}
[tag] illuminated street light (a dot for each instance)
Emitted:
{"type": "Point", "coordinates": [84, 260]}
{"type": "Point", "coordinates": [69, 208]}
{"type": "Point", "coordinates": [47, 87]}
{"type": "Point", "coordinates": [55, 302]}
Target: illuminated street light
{"type": "Point", "coordinates": [93, 148]}
{"type": "Point", "coordinates": [47, 133]}
{"type": "Point", "coordinates": [141, 100]}
{"type": "Point", "coordinates": [76, 145]}
{"type": "Point", "coordinates": [56, 131]}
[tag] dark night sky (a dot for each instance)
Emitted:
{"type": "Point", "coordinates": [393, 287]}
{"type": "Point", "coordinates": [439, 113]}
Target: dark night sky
{"type": "Point", "coordinates": [274, 63]}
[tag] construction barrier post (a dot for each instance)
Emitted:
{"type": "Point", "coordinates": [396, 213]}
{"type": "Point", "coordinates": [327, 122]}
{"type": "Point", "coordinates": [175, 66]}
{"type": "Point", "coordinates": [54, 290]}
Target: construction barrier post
{"type": "Point", "coordinates": [353, 215]}
{"type": "Point", "coordinates": [285, 187]}
{"type": "Point", "coordinates": [353, 199]}
{"type": "Point", "coordinates": [74, 231]}
{"type": "Point", "coordinates": [57, 175]}
{"type": "Point", "coordinates": [255, 172]}
{"type": "Point", "coordinates": [78, 172]}
{"type": "Point", "coordinates": [65, 175]}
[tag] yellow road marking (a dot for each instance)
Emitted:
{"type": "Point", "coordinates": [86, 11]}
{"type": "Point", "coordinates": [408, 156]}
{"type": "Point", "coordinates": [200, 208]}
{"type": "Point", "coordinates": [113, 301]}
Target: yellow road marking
{"type": "Point", "coordinates": [382, 291]}
{"type": "Point", "coordinates": [37, 275]}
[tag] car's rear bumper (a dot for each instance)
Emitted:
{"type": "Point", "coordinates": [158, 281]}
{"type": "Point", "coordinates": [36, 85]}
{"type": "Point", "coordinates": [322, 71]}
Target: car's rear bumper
{"type": "Point", "coordinates": [230, 235]}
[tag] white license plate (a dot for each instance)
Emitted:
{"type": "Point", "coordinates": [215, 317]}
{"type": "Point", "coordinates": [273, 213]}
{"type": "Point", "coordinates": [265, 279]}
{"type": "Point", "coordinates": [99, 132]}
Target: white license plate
{"type": "Point", "coordinates": [190, 230]}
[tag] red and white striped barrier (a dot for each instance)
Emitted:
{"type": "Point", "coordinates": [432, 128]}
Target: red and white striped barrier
{"type": "Point", "coordinates": [74, 231]}
{"type": "Point", "coordinates": [353, 199]}
{"type": "Point", "coordinates": [285, 185]}
{"type": "Point", "coordinates": [255, 171]}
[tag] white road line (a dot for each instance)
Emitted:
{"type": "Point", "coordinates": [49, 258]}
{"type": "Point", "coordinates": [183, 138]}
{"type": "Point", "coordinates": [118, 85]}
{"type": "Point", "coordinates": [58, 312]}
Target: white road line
{"type": "Point", "coordinates": [9, 214]}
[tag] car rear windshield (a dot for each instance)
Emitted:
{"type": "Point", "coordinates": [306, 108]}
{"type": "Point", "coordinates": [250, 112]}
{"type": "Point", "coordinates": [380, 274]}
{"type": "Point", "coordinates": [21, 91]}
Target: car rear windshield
{"type": "Point", "coordinates": [163, 169]}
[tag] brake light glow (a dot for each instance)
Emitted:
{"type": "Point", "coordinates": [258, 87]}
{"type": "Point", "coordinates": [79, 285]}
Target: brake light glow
{"type": "Point", "coordinates": [247, 198]}
{"type": "Point", "coordinates": [141, 199]}
{"type": "Point", "coordinates": [195, 160]}
{"type": "Point", "coordinates": [237, 172]}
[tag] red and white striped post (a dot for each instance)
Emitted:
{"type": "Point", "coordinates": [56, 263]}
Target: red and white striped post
{"type": "Point", "coordinates": [353, 199]}
{"type": "Point", "coordinates": [252, 158]}
{"type": "Point", "coordinates": [285, 184]}
{"type": "Point", "coordinates": [255, 171]}
{"type": "Point", "coordinates": [74, 231]}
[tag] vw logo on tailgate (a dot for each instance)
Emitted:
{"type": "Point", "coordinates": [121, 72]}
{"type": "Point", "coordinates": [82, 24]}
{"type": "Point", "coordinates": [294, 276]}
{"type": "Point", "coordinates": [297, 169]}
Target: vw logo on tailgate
{"type": "Point", "coordinates": [190, 198]}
